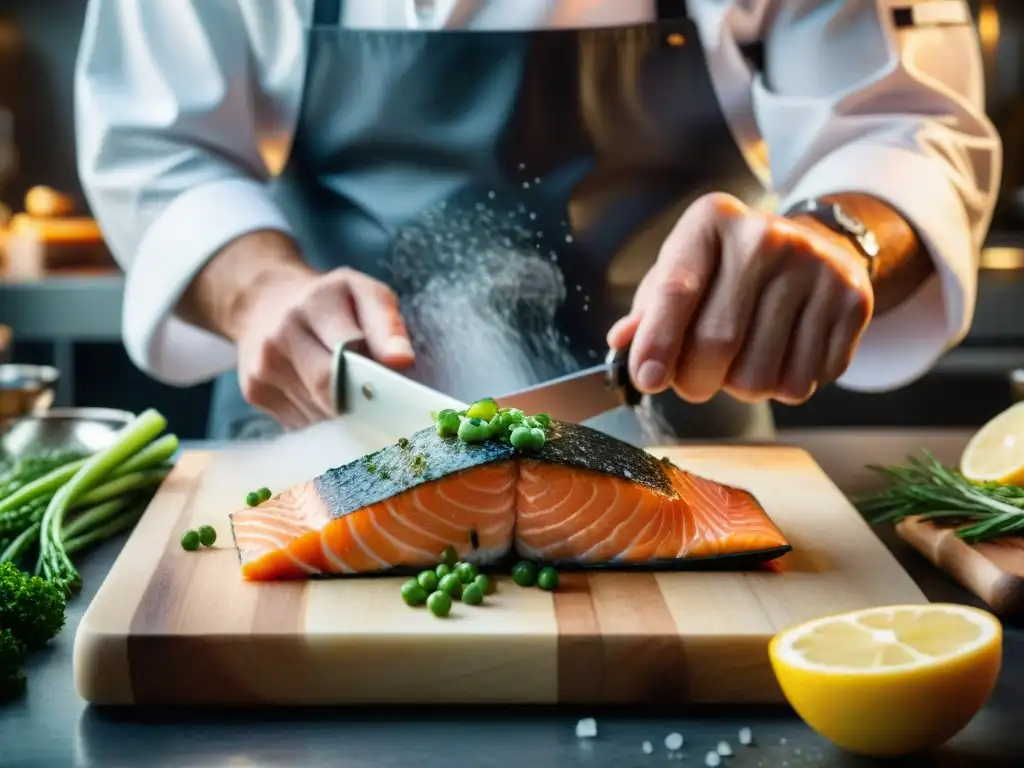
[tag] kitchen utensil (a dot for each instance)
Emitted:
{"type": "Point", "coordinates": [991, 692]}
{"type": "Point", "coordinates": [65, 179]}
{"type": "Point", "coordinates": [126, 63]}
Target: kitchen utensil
{"type": "Point", "coordinates": [376, 396]}
{"type": "Point", "coordinates": [993, 570]}
{"type": "Point", "coordinates": [580, 396]}
{"type": "Point", "coordinates": [63, 429]}
{"type": "Point", "coordinates": [176, 627]}
{"type": "Point", "coordinates": [26, 389]}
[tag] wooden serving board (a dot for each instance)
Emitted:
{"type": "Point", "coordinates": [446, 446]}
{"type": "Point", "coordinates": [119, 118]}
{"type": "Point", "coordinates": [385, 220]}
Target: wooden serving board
{"type": "Point", "coordinates": [993, 570]}
{"type": "Point", "coordinates": [173, 627]}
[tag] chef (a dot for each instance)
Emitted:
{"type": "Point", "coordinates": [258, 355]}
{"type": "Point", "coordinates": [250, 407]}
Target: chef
{"type": "Point", "coordinates": [758, 197]}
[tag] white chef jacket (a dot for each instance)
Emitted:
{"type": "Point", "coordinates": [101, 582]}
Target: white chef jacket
{"type": "Point", "coordinates": [185, 110]}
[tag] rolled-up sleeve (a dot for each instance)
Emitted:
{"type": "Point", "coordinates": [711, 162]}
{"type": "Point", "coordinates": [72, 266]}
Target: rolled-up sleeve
{"type": "Point", "coordinates": [177, 105]}
{"type": "Point", "coordinates": [886, 98]}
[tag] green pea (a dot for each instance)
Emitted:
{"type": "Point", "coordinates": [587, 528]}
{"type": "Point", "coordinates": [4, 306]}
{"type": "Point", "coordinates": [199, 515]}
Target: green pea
{"type": "Point", "coordinates": [466, 572]}
{"type": "Point", "coordinates": [264, 494]}
{"type": "Point", "coordinates": [547, 578]}
{"type": "Point", "coordinates": [439, 604]}
{"type": "Point", "coordinates": [207, 536]}
{"type": "Point", "coordinates": [442, 570]}
{"type": "Point", "coordinates": [413, 593]}
{"type": "Point", "coordinates": [538, 438]}
{"type": "Point", "coordinates": [474, 430]}
{"type": "Point", "coordinates": [484, 583]}
{"type": "Point", "coordinates": [483, 409]}
{"type": "Point", "coordinates": [428, 580]}
{"type": "Point", "coordinates": [190, 541]}
{"type": "Point", "coordinates": [451, 585]}
{"type": "Point", "coordinates": [543, 419]}
{"type": "Point", "coordinates": [524, 573]}
{"type": "Point", "coordinates": [522, 438]}
{"type": "Point", "coordinates": [448, 423]}
{"type": "Point", "coordinates": [450, 556]}
{"type": "Point", "coordinates": [472, 595]}
{"type": "Point", "coordinates": [252, 498]}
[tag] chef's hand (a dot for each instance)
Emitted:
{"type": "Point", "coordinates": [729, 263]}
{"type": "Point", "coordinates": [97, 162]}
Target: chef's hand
{"type": "Point", "coordinates": [756, 305]}
{"type": "Point", "coordinates": [285, 346]}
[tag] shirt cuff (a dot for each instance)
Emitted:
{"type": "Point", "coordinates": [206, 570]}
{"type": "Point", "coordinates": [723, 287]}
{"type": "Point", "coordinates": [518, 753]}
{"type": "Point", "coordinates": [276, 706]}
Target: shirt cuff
{"type": "Point", "coordinates": [190, 230]}
{"type": "Point", "coordinates": [904, 343]}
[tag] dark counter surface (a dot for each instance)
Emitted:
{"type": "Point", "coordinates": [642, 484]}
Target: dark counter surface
{"type": "Point", "coordinates": [51, 727]}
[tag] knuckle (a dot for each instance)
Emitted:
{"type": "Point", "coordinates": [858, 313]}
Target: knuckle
{"type": "Point", "coordinates": [717, 335]}
{"type": "Point", "coordinates": [253, 390]}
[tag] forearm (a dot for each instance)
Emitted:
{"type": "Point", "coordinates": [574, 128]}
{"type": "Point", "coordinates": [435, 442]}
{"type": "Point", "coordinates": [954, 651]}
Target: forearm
{"type": "Point", "coordinates": [902, 264]}
{"type": "Point", "coordinates": [223, 293]}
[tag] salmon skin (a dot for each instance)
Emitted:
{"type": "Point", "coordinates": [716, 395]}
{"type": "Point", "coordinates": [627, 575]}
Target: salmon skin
{"type": "Point", "coordinates": [585, 500]}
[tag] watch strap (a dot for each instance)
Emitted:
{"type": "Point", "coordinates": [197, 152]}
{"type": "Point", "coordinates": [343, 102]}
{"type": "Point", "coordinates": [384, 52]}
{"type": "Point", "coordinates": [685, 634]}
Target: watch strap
{"type": "Point", "coordinates": [841, 221]}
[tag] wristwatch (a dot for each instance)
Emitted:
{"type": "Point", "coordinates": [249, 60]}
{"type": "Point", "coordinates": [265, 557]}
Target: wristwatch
{"type": "Point", "coordinates": [841, 221]}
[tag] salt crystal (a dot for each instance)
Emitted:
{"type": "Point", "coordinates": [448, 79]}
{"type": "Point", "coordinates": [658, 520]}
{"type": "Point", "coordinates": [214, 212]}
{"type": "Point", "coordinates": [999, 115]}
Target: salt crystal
{"type": "Point", "coordinates": [568, 238]}
{"type": "Point", "coordinates": [674, 741]}
{"type": "Point", "coordinates": [712, 760]}
{"type": "Point", "coordinates": [586, 728]}
{"type": "Point", "coordinates": [647, 747]}
{"type": "Point", "coordinates": [782, 740]}
{"type": "Point", "coordinates": [526, 185]}
{"type": "Point", "coordinates": [746, 737]}
{"type": "Point", "coordinates": [724, 749]}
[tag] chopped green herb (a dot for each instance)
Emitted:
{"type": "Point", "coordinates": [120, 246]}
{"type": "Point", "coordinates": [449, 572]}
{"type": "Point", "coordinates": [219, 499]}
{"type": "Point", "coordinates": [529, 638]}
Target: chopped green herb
{"type": "Point", "coordinates": [472, 594]}
{"type": "Point", "coordinates": [371, 467]}
{"type": "Point", "coordinates": [384, 474]}
{"type": "Point", "coordinates": [543, 419]}
{"type": "Point", "coordinates": [207, 535]}
{"type": "Point", "coordinates": [190, 541]}
{"type": "Point", "coordinates": [450, 584]}
{"type": "Point", "coordinates": [252, 498]}
{"type": "Point", "coordinates": [524, 573]}
{"type": "Point", "coordinates": [264, 494]}
{"type": "Point", "coordinates": [428, 580]}
{"type": "Point", "coordinates": [547, 578]}
{"type": "Point", "coordinates": [466, 572]}
{"type": "Point", "coordinates": [419, 464]}
{"type": "Point", "coordinates": [403, 442]}
{"type": "Point", "coordinates": [439, 604]}
{"type": "Point", "coordinates": [413, 593]}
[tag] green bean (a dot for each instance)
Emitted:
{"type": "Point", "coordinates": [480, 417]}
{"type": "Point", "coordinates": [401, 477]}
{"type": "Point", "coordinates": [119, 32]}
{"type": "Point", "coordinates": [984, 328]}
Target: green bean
{"type": "Point", "coordinates": [113, 526]}
{"type": "Point", "coordinates": [20, 544]}
{"type": "Point", "coordinates": [94, 516]}
{"type": "Point", "coordinates": [120, 486]}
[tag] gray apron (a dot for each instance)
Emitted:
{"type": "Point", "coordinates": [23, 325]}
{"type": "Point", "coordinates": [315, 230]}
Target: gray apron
{"type": "Point", "coordinates": [512, 187]}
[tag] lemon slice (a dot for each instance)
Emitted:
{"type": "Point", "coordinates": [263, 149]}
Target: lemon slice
{"type": "Point", "coordinates": [893, 680]}
{"type": "Point", "coordinates": [996, 451]}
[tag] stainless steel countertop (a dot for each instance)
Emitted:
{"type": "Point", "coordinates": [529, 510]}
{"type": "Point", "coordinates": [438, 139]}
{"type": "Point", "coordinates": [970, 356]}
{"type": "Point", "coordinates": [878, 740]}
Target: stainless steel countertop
{"type": "Point", "coordinates": [51, 727]}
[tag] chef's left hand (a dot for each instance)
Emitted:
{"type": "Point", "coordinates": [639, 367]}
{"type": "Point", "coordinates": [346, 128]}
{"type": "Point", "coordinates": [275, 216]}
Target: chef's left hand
{"type": "Point", "coordinates": [746, 302]}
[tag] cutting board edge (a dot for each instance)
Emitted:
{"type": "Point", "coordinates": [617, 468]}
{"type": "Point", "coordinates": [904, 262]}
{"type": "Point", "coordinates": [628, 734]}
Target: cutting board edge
{"type": "Point", "coordinates": [1003, 592]}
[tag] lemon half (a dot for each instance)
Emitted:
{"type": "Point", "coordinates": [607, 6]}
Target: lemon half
{"type": "Point", "coordinates": [890, 681]}
{"type": "Point", "coordinates": [996, 451]}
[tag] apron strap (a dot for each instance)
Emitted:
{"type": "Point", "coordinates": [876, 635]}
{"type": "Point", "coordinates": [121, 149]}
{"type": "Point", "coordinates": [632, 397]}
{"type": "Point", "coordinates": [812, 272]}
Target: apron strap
{"type": "Point", "coordinates": [326, 13]}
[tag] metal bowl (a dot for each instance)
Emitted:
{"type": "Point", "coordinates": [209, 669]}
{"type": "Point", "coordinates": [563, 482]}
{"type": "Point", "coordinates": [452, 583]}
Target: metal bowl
{"type": "Point", "coordinates": [26, 389]}
{"type": "Point", "coordinates": [64, 429]}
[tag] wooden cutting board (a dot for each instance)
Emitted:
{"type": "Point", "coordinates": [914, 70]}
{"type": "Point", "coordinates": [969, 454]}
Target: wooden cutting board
{"type": "Point", "coordinates": [173, 627]}
{"type": "Point", "coordinates": [993, 570]}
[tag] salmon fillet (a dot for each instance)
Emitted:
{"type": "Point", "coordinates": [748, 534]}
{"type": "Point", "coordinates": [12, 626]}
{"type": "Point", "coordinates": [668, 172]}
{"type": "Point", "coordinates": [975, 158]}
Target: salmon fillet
{"type": "Point", "coordinates": [585, 499]}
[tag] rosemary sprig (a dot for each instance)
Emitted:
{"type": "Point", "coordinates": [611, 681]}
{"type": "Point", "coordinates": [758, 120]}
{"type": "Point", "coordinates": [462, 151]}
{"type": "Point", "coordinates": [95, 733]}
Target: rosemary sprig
{"type": "Point", "coordinates": [926, 488]}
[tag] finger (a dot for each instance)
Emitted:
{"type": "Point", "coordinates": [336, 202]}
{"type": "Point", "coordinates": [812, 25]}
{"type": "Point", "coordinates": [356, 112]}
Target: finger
{"type": "Point", "coordinates": [845, 334]}
{"type": "Point", "coordinates": [329, 311]}
{"type": "Point", "coordinates": [272, 401]}
{"type": "Point", "coordinates": [805, 358]}
{"type": "Point", "coordinates": [755, 370]}
{"type": "Point", "coordinates": [378, 315]}
{"type": "Point", "coordinates": [719, 331]}
{"type": "Point", "coordinates": [672, 292]}
{"type": "Point", "coordinates": [622, 333]}
{"type": "Point", "coordinates": [312, 363]}
{"type": "Point", "coordinates": [273, 366]}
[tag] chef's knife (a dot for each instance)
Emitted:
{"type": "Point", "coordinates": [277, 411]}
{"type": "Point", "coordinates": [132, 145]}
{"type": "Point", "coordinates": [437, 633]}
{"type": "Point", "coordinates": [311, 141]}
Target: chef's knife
{"type": "Point", "coordinates": [380, 399]}
{"type": "Point", "coordinates": [582, 395]}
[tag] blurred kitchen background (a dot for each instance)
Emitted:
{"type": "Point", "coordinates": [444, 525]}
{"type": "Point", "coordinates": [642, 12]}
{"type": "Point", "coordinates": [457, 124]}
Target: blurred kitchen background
{"type": "Point", "coordinates": [70, 317]}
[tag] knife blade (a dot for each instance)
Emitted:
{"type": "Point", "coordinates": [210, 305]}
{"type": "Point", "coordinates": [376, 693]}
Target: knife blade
{"type": "Point", "coordinates": [582, 395]}
{"type": "Point", "coordinates": [380, 399]}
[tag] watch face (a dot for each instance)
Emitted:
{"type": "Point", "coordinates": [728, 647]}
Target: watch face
{"type": "Point", "coordinates": [848, 221]}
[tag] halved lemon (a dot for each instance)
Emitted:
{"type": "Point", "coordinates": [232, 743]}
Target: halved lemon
{"type": "Point", "coordinates": [893, 680]}
{"type": "Point", "coordinates": [996, 451]}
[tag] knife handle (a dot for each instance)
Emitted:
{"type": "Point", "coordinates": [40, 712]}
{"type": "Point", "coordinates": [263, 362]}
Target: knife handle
{"type": "Point", "coordinates": [618, 377]}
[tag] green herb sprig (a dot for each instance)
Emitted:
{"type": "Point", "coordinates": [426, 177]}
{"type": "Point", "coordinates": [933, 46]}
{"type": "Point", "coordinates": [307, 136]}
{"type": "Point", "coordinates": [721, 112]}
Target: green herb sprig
{"type": "Point", "coordinates": [925, 488]}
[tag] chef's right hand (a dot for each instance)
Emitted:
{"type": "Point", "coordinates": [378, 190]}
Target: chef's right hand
{"type": "Point", "coordinates": [285, 350]}
{"type": "Point", "coordinates": [285, 319]}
